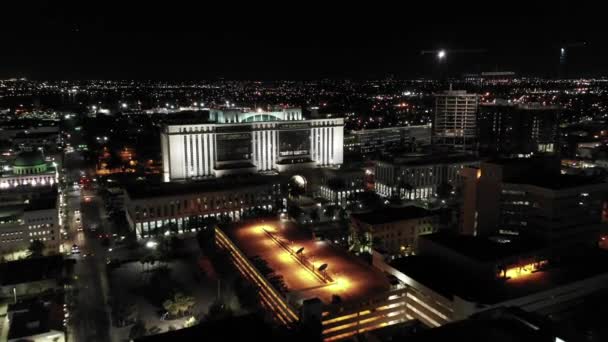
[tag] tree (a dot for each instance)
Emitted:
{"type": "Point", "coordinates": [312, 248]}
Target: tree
{"type": "Point", "coordinates": [36, 248]}
{"type": "Point", "coordinates": [218, 311]}
{"type": "Point", "coordinates": [179, 305]}
{"type": "Point", "coordinates": [137, 330]}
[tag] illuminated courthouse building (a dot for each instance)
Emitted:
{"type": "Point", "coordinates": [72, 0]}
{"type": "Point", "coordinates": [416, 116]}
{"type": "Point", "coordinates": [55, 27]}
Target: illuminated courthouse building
{"type": "Point", "coordinates": [28, 169]}
{"type": "Point", "coordinates": [234, 141]}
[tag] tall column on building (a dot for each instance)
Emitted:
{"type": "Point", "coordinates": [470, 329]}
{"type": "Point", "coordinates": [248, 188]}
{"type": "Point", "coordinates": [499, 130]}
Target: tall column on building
{"type": "Point", "coordinates": [454, 124]}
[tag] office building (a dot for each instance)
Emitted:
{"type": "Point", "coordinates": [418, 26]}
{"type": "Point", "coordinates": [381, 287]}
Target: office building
{"type": "Point", "coordinates": [501, 324]}
{"type": "Point", "coordinates": [22, 223]}
{"type": "Point", "coordinates": [418, 176]}
{"type": "Point", "coordinates": [530, 197]}
{"type": "Point", "coordinates": [151, 209]}
{"type": "Point", "coordinates": [453, 277]}
{"type": "Point", "coordinates": [455, 121]}
{"type": "Point", "coordinates": [509, 129]}
{"type": "Point", "coordinates": [232, 141]}
{"type": "Point", "coordinates": [395, 231]}
{"type": "Point", "coordinates": [386, 139]}
{"type": "Point", "coordinates": [338, 186]}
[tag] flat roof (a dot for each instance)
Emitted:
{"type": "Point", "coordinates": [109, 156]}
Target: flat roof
{"type": "Point", "coordinates": [448, 281]}
{"type": "Point", "coordinates": [484, 249]}
{"type": "Point", "coordinates": [151, 190]}
{"type": "Point", "coordinates": [354, 279]}
{"type": "Point", "coordinates": [30, 270]}
{"type": "Point", "coordinates": [418, 159]}
{"type": "Point", "coordinates": [388, 214]}
{"type": "Point", "coordinates": [558, 182]}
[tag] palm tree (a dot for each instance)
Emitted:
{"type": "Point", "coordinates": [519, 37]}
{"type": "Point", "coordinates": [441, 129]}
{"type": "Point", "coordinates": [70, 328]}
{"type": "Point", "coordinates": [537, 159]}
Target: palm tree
{"type": "Point", "coordinates": [179, 305]}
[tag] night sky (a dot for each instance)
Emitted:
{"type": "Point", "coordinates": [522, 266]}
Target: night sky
{"type": "Point", "coordinates": [103, 39]}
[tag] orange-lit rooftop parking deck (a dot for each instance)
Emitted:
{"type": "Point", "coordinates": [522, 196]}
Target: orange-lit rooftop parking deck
{"type": "Point", "coordinates": [278, 243]}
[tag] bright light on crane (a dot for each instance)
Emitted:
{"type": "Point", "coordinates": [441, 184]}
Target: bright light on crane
{"type": "Point", "coordinates": [441, 54]}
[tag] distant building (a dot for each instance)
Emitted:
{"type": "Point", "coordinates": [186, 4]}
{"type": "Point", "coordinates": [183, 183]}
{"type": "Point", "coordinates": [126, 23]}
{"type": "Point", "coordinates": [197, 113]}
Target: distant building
{"type": "Point", "coordinates": [455, 121]}
{"type": "Point", "coordinates": [386, 139]}
{"type": "Point", "coordinates": [418, 176]}
{"type": "Point", "coordinates": [395, 231]}
{"type": "Point", "coordinates": [150, 209]}
{"type": "Point", "coordinates": [21, 224]}
{"type": "Point", "coordinates": [233, 141]}
{"type": "Point", "coordinates": [518, 130]}
{"type": "Point", "coordinates": [29, 169]}
{"type": "Point", "coordinates": [530, 197]}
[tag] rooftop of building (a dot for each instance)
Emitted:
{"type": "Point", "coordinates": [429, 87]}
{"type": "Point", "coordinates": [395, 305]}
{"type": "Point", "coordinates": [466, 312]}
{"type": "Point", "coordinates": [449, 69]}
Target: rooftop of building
{"type": "Point", "coordinates": [450, 281]}
{"type": "Point", "coordinates": [45, 202]}
{"type": "Point", "coordinates": [354, 280]}
{"type": "Point", "coordinates": [484, 249]}
{"type": "Point", "coordinates": [30, 270]}
{"type": "Point", "coordinates": [29, 158]}
{"type": "Point", "coordinates": [35, 316]}
{"type": "Point", "coordinates": [419, 159]}
{"type": "Point", "coordinates": [388, 214]}
{"type": "Point", "coordinates": [223, 330]}
{"type": "Point", "coordinates": [559, 182]}
{"type": "Point", "coordinates": [150, 190]}
{"type": "Point", "coordinates": [511, 325]}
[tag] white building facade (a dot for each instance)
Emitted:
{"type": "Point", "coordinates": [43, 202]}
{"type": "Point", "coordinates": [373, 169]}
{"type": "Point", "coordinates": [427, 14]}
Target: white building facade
{"type": "Point", "coordinates": [250, 142]}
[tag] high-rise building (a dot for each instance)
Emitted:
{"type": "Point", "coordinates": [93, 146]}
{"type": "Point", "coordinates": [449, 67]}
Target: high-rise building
{"type": "Point", "coordinates": [529, 197]}
{"type": "Point", "coordinates": [454, 124]}
{"type": "Point", "coordinates": [516, 129]}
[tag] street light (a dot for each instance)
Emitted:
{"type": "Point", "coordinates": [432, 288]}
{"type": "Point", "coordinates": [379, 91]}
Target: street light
{"type": "Point", "coordinates": [151, 244]}
{"type": "Point", "coordinates": [441, 54]}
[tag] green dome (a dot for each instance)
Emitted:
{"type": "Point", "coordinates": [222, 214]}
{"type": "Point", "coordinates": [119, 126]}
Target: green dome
{"type": "Point", "coordinates": [32, 158]}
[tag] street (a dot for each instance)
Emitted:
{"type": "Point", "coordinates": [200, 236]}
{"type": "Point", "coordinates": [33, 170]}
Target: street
{"type": "Point", "coordinates": [90, 319]}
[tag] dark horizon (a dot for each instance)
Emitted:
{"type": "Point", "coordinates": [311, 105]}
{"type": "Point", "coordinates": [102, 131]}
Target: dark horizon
{"type": "Point", "coordinates": [86, 41]}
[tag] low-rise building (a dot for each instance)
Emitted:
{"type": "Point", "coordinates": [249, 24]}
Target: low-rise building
{"type": "Point", "coordinates": [453, 277]}
{"type": "Point", "coordinates": [36, 219]}
{"type": "Point", "coordinates": [152, 208]}
{"type": "Point", "coordinates": [395, 231]}
{"type": "Point", "coordinates": [30, 277]}
{"type": "Point", "coordinates": [418, 176]}
{"type": "Point", "coordinates": [36, 321]}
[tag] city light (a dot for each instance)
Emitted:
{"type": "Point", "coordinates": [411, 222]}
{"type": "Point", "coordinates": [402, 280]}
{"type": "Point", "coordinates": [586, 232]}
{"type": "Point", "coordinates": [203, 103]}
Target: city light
{"type": "Point", "coordinates": [151, 244]}
{"type": "Point", "coordinates": [441, 54]}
